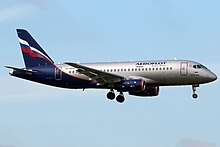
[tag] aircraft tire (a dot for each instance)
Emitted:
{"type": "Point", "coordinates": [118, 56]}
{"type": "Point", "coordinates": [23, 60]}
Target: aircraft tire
{"type": "Point", "coordinates": [110, 95]}
{"type": "Point", "coordinates": [120, 98]}
{"type": "Point", "coordinates": [195, 96]}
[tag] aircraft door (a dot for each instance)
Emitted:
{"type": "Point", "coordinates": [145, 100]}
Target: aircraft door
{"type": "Point", "coordinates": [58, 74]}
{"type": "Point", "coordinates": [184, 68]}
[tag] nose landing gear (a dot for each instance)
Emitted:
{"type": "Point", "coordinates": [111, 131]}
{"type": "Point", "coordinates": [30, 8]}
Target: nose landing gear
{"type": "Point", "coordinates": [195, 96]}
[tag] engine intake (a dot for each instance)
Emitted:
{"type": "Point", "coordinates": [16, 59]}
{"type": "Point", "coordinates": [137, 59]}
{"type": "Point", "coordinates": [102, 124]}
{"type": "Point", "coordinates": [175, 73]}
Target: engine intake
{"type": "Point", "coordinates": [130, 85]}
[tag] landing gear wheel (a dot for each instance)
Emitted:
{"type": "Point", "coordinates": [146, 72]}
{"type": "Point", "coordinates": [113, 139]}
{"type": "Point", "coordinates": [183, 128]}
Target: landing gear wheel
{"type": "Point", "coordinates": [120, 98]}
{"type": "Point", "coordinates": [111, 95]}
{"type": "Point", "coordinates": [195, 96]}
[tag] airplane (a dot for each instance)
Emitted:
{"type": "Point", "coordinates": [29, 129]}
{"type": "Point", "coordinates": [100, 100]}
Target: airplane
{"type": "Point", "coordinates": [138, 78]}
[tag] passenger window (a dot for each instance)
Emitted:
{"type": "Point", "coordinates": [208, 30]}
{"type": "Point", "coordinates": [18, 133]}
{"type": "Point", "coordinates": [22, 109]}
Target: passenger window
{"type": "Point", "coordinates": [171, 68]}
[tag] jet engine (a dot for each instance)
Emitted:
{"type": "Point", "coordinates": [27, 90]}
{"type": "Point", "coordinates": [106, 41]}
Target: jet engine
{"type": "Point", "coordinates": [130, 85]}
{"type": "Point", "coordinates": [149, 91]}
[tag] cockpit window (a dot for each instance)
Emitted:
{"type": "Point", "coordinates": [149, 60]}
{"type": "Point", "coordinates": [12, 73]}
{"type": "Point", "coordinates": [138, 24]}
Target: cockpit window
{"type": "Point", "coordinates": [199, 66]}
{"type": "Point", "coordinates": [204, 67]}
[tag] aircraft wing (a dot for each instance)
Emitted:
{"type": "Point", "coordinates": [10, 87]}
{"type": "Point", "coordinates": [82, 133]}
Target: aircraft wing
{"type": "Point", "coordinates": [100, 76]}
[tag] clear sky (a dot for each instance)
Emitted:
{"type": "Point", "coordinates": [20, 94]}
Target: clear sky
{"type": "Point", "coordinates": [35, 115]}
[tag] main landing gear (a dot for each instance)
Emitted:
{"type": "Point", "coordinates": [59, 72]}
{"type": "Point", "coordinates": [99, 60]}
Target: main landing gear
{"type": "Point", "coordinates": [195, 96]}
{"type": "Point", "coordinates": [111, 96]}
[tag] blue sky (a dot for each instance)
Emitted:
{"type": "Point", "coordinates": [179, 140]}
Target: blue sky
{"type": "Point", "coordinates": [33, 115]}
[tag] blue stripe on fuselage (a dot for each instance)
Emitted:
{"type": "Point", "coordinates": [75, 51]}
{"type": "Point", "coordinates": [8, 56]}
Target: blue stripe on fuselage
{"type": "Point", "coordinates": [46, 75]}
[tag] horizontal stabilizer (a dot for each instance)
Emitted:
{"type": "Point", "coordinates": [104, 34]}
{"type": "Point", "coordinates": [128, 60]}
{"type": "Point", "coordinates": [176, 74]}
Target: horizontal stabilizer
{"type": "Point", "coordinates": [21, 70]}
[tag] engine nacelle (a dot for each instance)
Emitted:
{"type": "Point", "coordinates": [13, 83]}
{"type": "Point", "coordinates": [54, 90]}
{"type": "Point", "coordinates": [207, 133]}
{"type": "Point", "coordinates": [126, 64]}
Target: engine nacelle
{"type": "Point", "coordinates": [130, 85]}
{"type": "Point", "coordinates": [149, 91]}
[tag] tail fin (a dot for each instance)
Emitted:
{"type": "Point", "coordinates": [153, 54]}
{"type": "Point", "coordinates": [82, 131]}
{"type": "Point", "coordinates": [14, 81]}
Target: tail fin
{"type": "Point", "coordinates": [33, 54]}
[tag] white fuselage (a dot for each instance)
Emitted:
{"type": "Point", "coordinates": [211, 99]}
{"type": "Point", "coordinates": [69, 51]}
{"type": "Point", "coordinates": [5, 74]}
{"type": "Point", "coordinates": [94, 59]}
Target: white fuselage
{"type": "Point", "coordinates": [159, 72]}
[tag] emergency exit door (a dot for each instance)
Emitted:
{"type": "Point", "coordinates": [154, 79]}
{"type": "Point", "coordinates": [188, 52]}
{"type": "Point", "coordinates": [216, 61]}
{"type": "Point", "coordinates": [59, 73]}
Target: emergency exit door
{"type": "Point", "coordinates": [58, 74]}
{"type": "Point", "coordinates": [184, 68]}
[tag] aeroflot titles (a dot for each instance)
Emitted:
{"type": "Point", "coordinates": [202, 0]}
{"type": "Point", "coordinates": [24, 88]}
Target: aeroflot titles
{"type": "Point", "coordinates": [150, 63]}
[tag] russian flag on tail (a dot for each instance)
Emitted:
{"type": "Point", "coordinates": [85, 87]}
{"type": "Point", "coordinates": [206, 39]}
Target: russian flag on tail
{"type": "Point", "coordinates": [33, 54]}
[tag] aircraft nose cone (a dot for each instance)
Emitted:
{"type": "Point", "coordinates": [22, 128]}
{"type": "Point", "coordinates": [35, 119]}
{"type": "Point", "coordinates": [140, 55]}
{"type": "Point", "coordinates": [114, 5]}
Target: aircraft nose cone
{"type": "Point", "coordinates": [212, 77]}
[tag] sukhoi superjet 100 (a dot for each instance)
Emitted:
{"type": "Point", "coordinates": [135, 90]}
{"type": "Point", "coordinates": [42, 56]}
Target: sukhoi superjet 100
{"type": "Point", "coordinates": [138, 78]}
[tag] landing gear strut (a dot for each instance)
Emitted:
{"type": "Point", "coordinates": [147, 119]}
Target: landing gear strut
{"type": "Point", "coordinates": [195, 96]}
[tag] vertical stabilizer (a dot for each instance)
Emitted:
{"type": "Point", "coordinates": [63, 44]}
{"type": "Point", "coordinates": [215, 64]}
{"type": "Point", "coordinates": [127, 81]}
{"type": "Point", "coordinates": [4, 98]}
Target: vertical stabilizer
{"type": "Point", "coordinates": [33, 54]}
